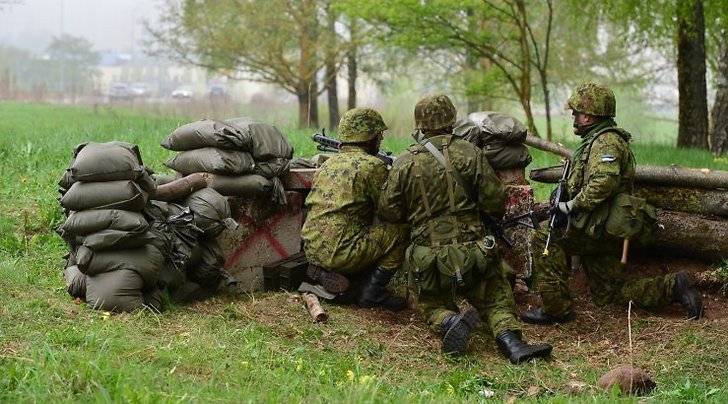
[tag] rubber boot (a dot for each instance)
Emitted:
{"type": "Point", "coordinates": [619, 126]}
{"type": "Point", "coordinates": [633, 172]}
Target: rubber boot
{"type": "Point", "coordinates": [538, 316]}
{"type": "Point", "coordinates": [456, 331]}
{"type": "Point", "coordinates": [375, 293]}
{"type": "Point", "coordinates": [689, 298]}
{"type": "Point", "coordinates": [517, 351]}
{"type": "Point", "coordinates": [333, 282]}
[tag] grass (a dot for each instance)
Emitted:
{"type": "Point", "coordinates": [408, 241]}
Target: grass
{"type": "Point", "coordinates": [263, 347]}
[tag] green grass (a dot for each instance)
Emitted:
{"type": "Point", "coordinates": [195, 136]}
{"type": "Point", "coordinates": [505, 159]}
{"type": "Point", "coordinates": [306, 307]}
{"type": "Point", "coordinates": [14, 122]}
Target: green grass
{"type": "Point", "coordinates": [263, 347]}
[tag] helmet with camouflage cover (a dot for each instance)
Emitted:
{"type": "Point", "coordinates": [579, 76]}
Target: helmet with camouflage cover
{"type": "Point", "coordinates": [593, 99]}
{"type": "Point", "coordinates": [434, 112]}
{"type": "Point", "coordinates": [360, 125]}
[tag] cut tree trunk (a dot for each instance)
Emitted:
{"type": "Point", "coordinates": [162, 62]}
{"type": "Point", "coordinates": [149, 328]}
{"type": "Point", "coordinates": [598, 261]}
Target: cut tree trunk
{"type": "Point", "coordinates": [545, 145]}
{"type": "Point", "coordinates": [181, 187]}
{"type": "Point", "coordinates": [692, 235]}
{"type": "Point", "coordinates": [690, 200]}
{"type": "Point", "coordinates": [655, 175]}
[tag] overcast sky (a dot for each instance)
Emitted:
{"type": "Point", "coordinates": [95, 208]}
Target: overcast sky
{"type": "Point", "coordinates": [109, 24]}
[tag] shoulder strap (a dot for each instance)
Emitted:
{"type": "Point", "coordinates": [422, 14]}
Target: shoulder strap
{"type": "Point", "coordinates": [448, 167]}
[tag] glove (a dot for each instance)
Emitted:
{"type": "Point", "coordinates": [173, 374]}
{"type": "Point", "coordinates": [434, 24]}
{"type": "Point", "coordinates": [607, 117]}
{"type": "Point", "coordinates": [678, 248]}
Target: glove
{"type": "Point", "coordinates": [561, 211]}
{"type": "Point", "coordinates": [566, 207]}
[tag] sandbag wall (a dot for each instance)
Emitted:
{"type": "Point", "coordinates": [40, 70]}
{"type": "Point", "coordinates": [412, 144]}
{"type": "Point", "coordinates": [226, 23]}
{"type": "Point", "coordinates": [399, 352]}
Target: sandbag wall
{"type": "Point", "coordinates": [242, 157]}
{"type": "Point", "coordinates": [115, 260]}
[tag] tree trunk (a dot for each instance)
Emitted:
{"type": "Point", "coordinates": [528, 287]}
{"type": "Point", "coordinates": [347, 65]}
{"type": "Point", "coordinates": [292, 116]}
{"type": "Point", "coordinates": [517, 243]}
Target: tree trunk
{"type": "Point", "coordinates": [331, 70]}
{"type": "Point", "coordinates": [689, 200]}
{"type": "Point", "coordinates": [719, 114]}
{"type": "Point", "coordinates": [181, 187]}
{"type": "Point", "coordinates": [308, 105]}
{"type": "Point", "coordinates": [313, 116]}
{"type": "Point", "coordinates": [655, 175]}
{"type": "Point", "coordinates": [351, 67]}
{"type": "Point", "coordinates": [693, 235]}
{"type": "Point", "coordinates": [693, 97]}
{"type": "Point", "coordinates": [547, 146]}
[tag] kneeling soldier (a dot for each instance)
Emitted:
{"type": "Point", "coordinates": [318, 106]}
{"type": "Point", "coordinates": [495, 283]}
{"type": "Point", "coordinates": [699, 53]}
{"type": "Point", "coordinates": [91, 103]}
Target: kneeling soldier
{"type": "Point", "coordinates": [340, 237]}
{"type": "Point", "coordinates": [441, 187]}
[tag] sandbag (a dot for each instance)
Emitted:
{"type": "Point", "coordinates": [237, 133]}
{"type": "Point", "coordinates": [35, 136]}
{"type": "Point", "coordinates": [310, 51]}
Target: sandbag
{"type": "Point", "coordinates": [244, 185]}
{"type": "Point", "coordinates": [211, 211]}
{"type": "Point", "coordinates": [75, 282]}
{"type": "Point", "coordinates": [109, 161]}
{"type": "Point", "coordinates": [208, 133]}
{"type": "Point", "coordinates": [124, 195]}
{"type": "Point", "coordinates": [267, 141]}
{"type": "Point", "coordinates": [146, 261]}
{"type": "Point", "coordinates": [115, 239]}
{"type": "Point", "coordinates": [497, 125]}
{"type": "Point", "coordinates": [207, 269]}
{"type": "Point", "coordinates": [91, 221]}
{"type": "Point", "coordinates": [500, 136]}
{"type": "Point", "coordinates": [212, 160]}
{"type": "Point", "coordinates": [120, 291]}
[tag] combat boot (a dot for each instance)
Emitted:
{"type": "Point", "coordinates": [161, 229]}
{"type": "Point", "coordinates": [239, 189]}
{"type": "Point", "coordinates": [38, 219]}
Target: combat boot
{"type": "Point", "coordinates": [689, 298]}
{"type": "Point", "coordinates": [517, 351]}
{"type": "Point", "coordinates": [538, 316]}
{"type": "Point", "coordinates": [333, 282]}
{"type": "Point", "coordinates": [375, 293]}
{"type": "Point", "coordinates": [456, 331]}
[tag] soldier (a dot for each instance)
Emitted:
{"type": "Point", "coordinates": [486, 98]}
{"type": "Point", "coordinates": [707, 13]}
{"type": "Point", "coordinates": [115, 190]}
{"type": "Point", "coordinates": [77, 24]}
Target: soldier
{"type": "Point", "coordinates": [340, 238]}
{"type": "Point", "coordinates": [600, 181]}
{"type": "Point", "coordinates": [450, 252]}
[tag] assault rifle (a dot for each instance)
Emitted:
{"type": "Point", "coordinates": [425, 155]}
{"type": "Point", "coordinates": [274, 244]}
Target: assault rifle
{"type": "Point", "coordinates": [498, 227]}
{"type": "Point", "coordinates": [559, 196]}
{"type": "Point", "coordinates": [327, 144]}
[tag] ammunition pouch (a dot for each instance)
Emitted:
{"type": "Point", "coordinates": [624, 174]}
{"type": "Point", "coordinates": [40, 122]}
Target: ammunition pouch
{"type": "Point", "coordinates": [624, 217]}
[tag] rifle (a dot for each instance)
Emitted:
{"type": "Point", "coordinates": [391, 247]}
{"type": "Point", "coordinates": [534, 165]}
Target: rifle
{"type": "Point", "coordinates": [558, 197]}
{"type": "Point", "coordinates": [498, 227]}
{"type": "Point", "coordinates": [327, 144]}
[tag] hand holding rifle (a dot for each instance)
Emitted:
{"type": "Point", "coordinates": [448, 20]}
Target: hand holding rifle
{"type": "Point", "coordinates": [559, 205]}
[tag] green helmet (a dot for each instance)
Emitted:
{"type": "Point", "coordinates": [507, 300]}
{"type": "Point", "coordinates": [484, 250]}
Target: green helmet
{"type": "Point", "coordinates": [360, 125]}
{"type": "Point", "coordinates": [593, 99]}
{"type": "Point", "coordinates": [434, 112]}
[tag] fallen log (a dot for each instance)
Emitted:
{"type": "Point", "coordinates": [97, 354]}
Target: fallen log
{"type": "Point", "coordinates": [655, 175]}
{"type": "Point", "coordinates": [180, 188]}
{"type": "Point", "coordinates": [689, 200]}
{"type": "Point", "coordinates": [314, 308]}
{"type": "Point", "coordinates": [702, 237]}
{"type": "Point", "coordinates": [545, 145]}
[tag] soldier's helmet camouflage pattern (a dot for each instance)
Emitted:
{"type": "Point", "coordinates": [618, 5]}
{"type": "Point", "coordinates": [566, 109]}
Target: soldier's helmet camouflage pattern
{"type": "Point", "coordinates": [434, 112]}
{"type": "Point", "coordinates": [360, 125]}
{"type": "Point", "coordinates": [593, 99]}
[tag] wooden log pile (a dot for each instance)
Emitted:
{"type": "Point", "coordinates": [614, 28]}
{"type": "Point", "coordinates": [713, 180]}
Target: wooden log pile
{"type": "Point", "coordinates": [692, 205]}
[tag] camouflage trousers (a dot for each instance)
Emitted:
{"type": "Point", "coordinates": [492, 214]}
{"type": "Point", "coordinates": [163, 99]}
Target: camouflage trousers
{"type": "Point", "coordinates": [382, 245]}
{"type": "Point", "coordinates": [485, 288]}
{"type": "Point", "coordinates": [606, 276]}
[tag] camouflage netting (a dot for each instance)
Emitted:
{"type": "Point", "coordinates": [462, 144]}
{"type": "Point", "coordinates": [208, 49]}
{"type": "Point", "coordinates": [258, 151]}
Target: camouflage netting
{"type": "Point", "coordinates": [234, 150]}
{"type": "Point", "coordinates": [125, 249]}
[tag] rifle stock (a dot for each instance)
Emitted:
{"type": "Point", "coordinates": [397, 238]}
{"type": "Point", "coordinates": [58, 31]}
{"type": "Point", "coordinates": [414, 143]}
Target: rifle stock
{"type": "Point", "coordinates": [332, 145]}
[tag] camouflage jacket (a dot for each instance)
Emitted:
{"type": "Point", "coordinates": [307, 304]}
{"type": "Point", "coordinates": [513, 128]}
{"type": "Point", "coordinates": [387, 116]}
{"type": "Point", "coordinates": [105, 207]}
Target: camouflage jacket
{"type": "Point", "coordinates": [420, 192]}
{"type": "Point", "coordinates": [343, 199]}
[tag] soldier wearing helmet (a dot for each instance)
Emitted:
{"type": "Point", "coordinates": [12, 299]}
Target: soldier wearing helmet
{"type": "Point", "coordinates": [442, 195]}
{"type": "Point", "coordinates": [351, 256]}
{"type": "Point", "coordinates": [600, 214]}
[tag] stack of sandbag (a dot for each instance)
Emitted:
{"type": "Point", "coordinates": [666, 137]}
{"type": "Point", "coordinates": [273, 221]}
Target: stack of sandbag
{"type": "Point", "coordinates": [243, 157]}
{"type": "Point", "coordinates": [499, 135]}
{"type": "Point", "coordinates": [189, 229]}
{"type": "Point", "coordinates": [115, 260]}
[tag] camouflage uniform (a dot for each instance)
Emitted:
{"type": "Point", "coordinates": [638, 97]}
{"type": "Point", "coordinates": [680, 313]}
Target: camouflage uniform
{"type": "Point", "coordinates": [602, 170]}
{"type": "Point", "coordinates": [339, 233]}
{"type": "Point", "coordinates": [447, 234]}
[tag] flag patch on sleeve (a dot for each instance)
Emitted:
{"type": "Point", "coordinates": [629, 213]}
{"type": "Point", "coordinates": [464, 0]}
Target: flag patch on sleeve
{"type": "Point", "coordinates": [608, 158]}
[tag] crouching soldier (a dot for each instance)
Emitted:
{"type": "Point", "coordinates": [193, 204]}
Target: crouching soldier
{"type": "Point", "coordinates": [350, 254]}
{"type": "Point", "coordinates": [440, 187]}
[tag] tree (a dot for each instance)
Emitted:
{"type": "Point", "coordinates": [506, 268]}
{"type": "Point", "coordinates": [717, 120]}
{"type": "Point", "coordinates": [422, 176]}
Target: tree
{"type": "Point", "coordinates": [278, 42]}
{"type": "Point", "coordinates": [73, 64]}
{"type": "Point", "coordinates": [332, 68]}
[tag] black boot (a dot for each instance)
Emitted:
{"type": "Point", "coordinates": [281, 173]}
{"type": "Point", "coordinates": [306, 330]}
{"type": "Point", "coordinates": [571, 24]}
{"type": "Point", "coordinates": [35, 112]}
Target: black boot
{"type": "Point", "coordinates": [538, 316]}
{"type": "Point", "coordinates": [689, 298]}
{"type": "Point", "coordinates": [375, 293]}
{"type": "Point", "coordinates": [517, 351]}
{"type": "Point", "coordinates": [456, 331]}
{"type": "Point", "coordinates": [333, 282]}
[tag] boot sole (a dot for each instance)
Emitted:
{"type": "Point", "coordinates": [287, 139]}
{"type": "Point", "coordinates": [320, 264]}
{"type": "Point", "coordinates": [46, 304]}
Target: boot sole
{"type": "Point", "coordinates": [456, 338]}
{"type": "Point", "coordinates": [331, 281]}
{"type": "Point", "coordinates": [532, 352]}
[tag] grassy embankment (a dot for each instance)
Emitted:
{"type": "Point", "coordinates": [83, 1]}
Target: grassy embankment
{"type": "Point", "coordinates": [262, 347]}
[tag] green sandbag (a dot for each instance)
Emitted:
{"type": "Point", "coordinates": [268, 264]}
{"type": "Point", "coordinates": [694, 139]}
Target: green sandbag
{"type": "Point", "coordinates": [120, 291]}
{"type": "Point", "coordinates": [124, 195]}
{"type": "Point", "coordinates": [115, 239]}
{"type": "Point", "coordinates": [211, 211]}
{"type": "Point", "coordinates": [243, 185]}
{"type": "Point", "coordinates": [147, 261]}
{"type": "Point", "coordinates": [500, 136]}
{"type": "Point", "coordinates": [110, 161]}
{"type": "Point", "coordinates": [497, 125]}
{"type": "Point", "coordinates": [212, 160]}
{"type": "Point", "coordinates": [267, 141]}
{"type": "Point", "coordinates": [75, 282]}
{"type": "Point", "coordinates": [207, 133]}
{"type": "Point", "coordinates": [91, 221]}
{"type": "Point", "coordinates": [207, 269]}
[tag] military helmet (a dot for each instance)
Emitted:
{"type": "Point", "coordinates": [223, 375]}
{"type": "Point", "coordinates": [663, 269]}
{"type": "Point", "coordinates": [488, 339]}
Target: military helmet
{"type": "Point", "coordinates": [593, 99]}
{"type": "Point", "coordinates": [434, 112]}
{"type": "Point", "coordinates": [360, 125]}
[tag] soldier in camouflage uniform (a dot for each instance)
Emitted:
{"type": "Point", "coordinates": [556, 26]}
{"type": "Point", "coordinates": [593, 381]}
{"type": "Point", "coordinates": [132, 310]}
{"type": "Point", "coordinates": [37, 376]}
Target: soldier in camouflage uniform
{"type": "Point", "coordinates": [451, 252]}
{"type": "Point", "coordinates": [340, 237]}
{"type": "Point", "coordinates": [600, 184]}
